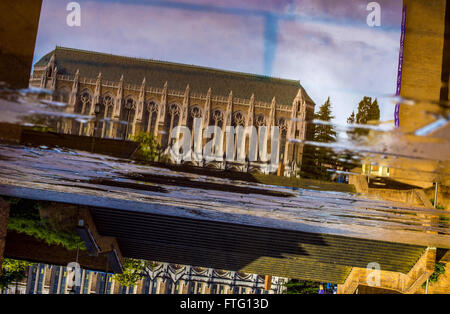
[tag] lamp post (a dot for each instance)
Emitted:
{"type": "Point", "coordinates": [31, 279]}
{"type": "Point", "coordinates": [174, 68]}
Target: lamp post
{"type": "Point", "coordinates": [97, 110]}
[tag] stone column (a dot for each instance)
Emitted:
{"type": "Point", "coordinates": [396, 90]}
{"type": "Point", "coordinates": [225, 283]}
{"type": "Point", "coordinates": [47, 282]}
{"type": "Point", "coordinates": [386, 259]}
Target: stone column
{"type": "Point", "coordinates": [161, 286]}
{"type": "Point", "coordinates": [207, 108]}
{"type": "Point", "coordinates": [117, 109]}
{"type": "Point", "coordinates": [4, 217]}
{"type": "Point", "coordinates": [74, 93]}
{"type": "Point", "coordinates": [140, 110]}
{"type": "Point", "coordinates": [160, 118]}
{"type": "Point", "coordinates": [207, 288]}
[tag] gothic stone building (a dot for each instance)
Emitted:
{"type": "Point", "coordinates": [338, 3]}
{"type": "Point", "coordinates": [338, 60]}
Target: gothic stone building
{"type": "Point", "coordinates": [161, 278]}
{"type": "Point", "coordinates": [138, 95]}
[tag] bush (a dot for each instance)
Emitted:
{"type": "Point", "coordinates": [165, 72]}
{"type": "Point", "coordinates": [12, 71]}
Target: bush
{"type": "Point", "coordinates": [302, 287]}
{"type": "Point", "coordinates": [13, 271]}
{"type": "Point", "coordinates": [439, 269]}
{"type": "Point", "coordinates": [133, 271]}
{"type": "Point", "coordinates": [149, 148]}
{"type": "Point", "coordinates": [25, 218]}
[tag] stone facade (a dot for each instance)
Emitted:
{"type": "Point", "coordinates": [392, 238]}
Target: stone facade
{"type": "Point", "coordinates": [162, 278]}
{"type": "Point", "coordinates": [127, 109]}
{"type": "Point", "coordinates": [4, 217]}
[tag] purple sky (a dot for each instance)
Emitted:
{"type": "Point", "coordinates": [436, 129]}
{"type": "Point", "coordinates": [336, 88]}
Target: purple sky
{"type": "Point", "coordinates": [326, 44]}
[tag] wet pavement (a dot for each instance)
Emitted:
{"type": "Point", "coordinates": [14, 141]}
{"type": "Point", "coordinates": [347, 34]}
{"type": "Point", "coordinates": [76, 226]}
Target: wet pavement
{"type": "Point", "coordinates": [83, 178]}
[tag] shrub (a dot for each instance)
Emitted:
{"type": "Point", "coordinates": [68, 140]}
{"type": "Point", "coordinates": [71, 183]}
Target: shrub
{"type": "Point", "coordinates": [439, 269]}
{"type": "Point", "coordinates": [149, 148]}
{"type": "Point", "coordinates": [133, 271]}
{"type": "Point", "coordinates": [25, 218]}
{"type": "Point", "coordinates": [13, 271]}
{"type": "Point", "coordinates": [295, 286]}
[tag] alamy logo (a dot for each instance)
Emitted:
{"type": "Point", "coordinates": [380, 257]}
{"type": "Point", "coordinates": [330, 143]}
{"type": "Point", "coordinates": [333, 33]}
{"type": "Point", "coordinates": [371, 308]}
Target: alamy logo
{"type": "Point", "coordinates": [374, 277]}
{"type": "Point", "coordinates": [374, 17]}
{"type": "Point", "coordinates": [74, 17]}
{"type": "Point", "coordinates": [235, 140]}
{"type": "Point", "coordinates": [73, 275]}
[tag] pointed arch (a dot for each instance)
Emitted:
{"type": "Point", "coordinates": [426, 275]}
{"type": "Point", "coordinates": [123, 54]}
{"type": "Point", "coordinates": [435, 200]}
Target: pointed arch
{"type": "Point", "coordinates": [150, 115]}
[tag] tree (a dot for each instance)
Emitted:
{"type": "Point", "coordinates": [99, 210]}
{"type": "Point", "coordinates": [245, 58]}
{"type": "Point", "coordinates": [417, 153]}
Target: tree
{"type": "Point", "coordinates": [324, 133]}
{"type": "Point", "coordinates": [318, 160]}
{"type": "Point", "coordinates": [368, 112]}
{"type": "Point", "coordinates": [149, 148]}
{"type": "Point", "coordinates": [13, 271]}
{"type": "Point", "coordinates": [352, 118]}
{"type": "Point", "coordinates": [133, 271]}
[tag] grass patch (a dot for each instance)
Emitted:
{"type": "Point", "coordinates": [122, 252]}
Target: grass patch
{"type": "Point", "coordinates": [439, 269]}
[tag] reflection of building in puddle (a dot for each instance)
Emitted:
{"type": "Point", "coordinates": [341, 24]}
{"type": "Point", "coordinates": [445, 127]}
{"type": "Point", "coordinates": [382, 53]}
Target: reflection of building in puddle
{"type": "Point", "coordinates": [115, 90]}
{"type": "Point", "coordinates": [163, 278]}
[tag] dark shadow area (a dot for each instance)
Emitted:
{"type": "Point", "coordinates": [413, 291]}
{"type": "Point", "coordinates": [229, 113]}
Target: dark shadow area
{"type": "Point", "coordinates": [116, 148]}
{"type": "Point", "coordinates": [18, 29]}
{"type": "Point", "coordinates": [189, 183]}
{"type": "Point", "coordinates": [208, 242]}
{"type": "Point", "coordinates": [387, 183]}
{"type": "Point", "coordinates": [24, 247]}
{"type": "Point", "coordinates": [128, 185]}
{"type": "Point", "coordinates": [237, 247]}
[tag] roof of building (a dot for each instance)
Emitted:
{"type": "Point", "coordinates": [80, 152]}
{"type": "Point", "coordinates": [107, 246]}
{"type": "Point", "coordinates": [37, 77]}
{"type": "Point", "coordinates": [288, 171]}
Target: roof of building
{"type": "Point", "coordinates": [200, 79]}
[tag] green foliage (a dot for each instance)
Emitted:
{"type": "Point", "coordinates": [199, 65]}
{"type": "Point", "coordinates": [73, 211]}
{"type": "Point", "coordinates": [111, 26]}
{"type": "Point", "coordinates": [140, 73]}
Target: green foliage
{"type": "Point", "coordinates": [324, 133]}
{"type": "Point", "coordinates": [133, 271]}
{"type": "Point", "coordinates": [438, 206]}
{"type": "Point", "coordinates": [439, 269]}
{"type": "Point", "coordinates": [317, 160]}
{"type": "Point", "coordinates": [13, 270]}
{"type": "Point", "coordinates": [368, 111]}
{"type": "Point", "coordinates": [295, 286]}
{"type": "Point", "coordinates": [25, 218]}
{"type": "Point", "coordinates": [42, 230]}
{"type": "Point", "coordinates": [149, 148]}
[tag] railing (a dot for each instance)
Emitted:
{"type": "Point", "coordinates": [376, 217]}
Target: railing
{"type": "Point", "coordinates": [177, 93]}
{"type": "Point", "coordinates": [155, 90]}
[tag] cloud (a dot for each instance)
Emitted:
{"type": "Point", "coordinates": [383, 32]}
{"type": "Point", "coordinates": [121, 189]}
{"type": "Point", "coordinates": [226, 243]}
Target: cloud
{"type": "Point", "coordinates": [328, 45]}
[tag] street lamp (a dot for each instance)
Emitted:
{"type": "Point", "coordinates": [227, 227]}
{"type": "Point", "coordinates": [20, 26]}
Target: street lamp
{"type": "Point", "coordinates": [97, 110]}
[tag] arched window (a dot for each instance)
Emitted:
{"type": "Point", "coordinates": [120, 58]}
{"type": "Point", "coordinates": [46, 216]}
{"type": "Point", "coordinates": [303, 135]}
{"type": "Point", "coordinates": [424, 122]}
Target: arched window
{"type": "Point", "coordinates": [151, 110]}
{"type": "Point", "coordinates": [84, 103]}
{"type": "Point", "coordinates": [107, 107]}
{"type": "Point", "coordinates": [172, 119]}
{"type": "Point", "coordinates": [83, 107]}
{"type": "Point", "coordinates": [238, 119]}
{"type": "Point", "coordinates": [217, 117]}
{"type": "Point", "coordinates": [260, 120]}
{"type": "Point", "coordinates": [127, 116]}
{"type": "Point", "coordinates": [194, 112]}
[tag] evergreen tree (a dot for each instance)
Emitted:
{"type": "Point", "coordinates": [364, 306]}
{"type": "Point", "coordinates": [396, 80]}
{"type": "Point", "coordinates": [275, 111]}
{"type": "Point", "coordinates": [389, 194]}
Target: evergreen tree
{"type": "Point", "coordinates": [324, 133]}
{"type": "Point", "coordinates": [317, 160]}
{"type": "Point", "coordinates": [351, 119]}
{"type": "Point", "coordinates": [368, 111]}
